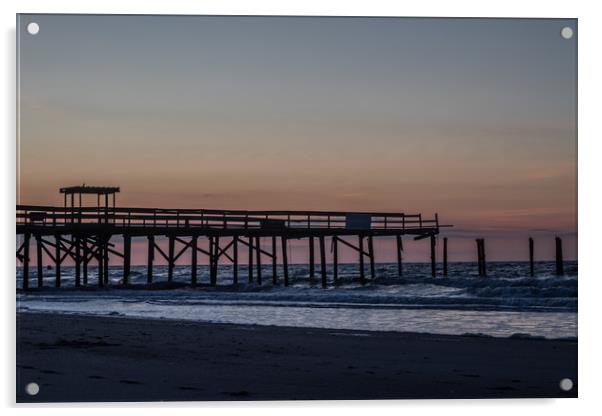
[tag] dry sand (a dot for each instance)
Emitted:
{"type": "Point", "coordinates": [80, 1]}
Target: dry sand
{"type": "Point", "coordinates": [85, 358]}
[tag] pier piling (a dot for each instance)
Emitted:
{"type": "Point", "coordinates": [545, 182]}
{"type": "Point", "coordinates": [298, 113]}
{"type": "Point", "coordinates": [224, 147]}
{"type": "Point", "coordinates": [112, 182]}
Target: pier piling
{"type": "Point", "coordinates": [274, 262]}
{"type": "Point", "coordinates": [127, 250]}
{"type": "Point", "coordinates": [194, 247]}
{"type": "Point", "coordinates": [85, 262]}
{"type": "Point", "coordinates": [559, 259]}
{"type": "Point", "coordinates": [57, 260]}
{"type": "Point", "coordinates": [258, 253]}
{"type": "Point", "coordinates": [371, 256]}
{"type": "Point", "coordinates": [433, 256]}
{"type": "Point", "coordinates": [284, 260]}
{"type": "Point", "coordinates": [481, 256]}
{"type": "Point", "coordinates": [40, 261]}
{"type": "Point", "coordinates": [26, 239]}
{"type": "Point", "coordinates": [312, 261]}
{"type": "Point", "coordinates": [444, 256]}
{"type": "Point", "coordinates": [235, 260]}
{"type": "Point", "coordinates": [170, 258]}
{"type": "Point", "coordinates": [361, 253]}
{"type": "Point", "coordinates": [250, 259]}
{"type": "Point", "coordinates": [150, 258]}
{"type": "Point", "coordinates": [323, 261]}
{"type": "Point", "coordinates": [399, 257]}
{"type": "Point", "coordinates": [214, 261]}
{"type": "Point", "coordinates": [101, 262]}
{"type": "Point", "coordinates": [78, 261]}
{"type": "Point", "coordinates": [531, 255]}
{"type": "Point", "coordinates": [335, 260]}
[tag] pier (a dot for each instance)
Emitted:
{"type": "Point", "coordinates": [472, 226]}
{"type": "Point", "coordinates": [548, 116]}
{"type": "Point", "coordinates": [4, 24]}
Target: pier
{"type": "Point", "coordinates": [87, 234]}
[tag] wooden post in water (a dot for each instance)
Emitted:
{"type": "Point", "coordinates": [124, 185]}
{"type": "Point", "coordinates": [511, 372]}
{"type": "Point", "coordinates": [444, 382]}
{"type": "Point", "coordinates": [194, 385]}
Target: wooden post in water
{"type": "Point", "coordinates": [235, 261]}
{"type": "Point", "coordinates": [311, 257]}
{"type": "Point", "coordinates": [274, 262]}
{"type": "Point", "coordinates": [483, 257]}
{"type": "Point", "coordinates": [284, 260]}
{"type": "Point", "coordinates": [194, 247]}
{"type": "Point", "coordinates": [433, 243]}
{"type": "Point", "coordinates": [444, 256]}
{"type": "Point", "coordinates": [26, 239]}
{"type": "Point", "coordinates": [40, 261]}
{"type": "Point", "coordinates": [258, 253]}
{"type": "Point", "coordinates": [335, 260]}
{"type": "Point", "coordinates": [399, 258]}
{"type": "Point", "coordinates": [150, 258]}
{"type": "Point", "coordinates": [531, 256]}
{"type": "Point", "coordinates": [57, 260]}
{"type": "Point", "coordinates": [479, 257]}
{"type": "Point", "coordinates": [170, 258]}
{"type": "Point", "coordinates": [361, 251]}
{"type": "Point", "coordinates": [559, 259]}
{"type": "Point", "coordinates": [78, 261]}
{"type": "Point", "coordinates": [371, 255]}
{"type": "Point", "coordinates": [127, 253]}
{"type": "Point", "coordinates": [323, 261]}
{"type": "Point", "coordinates": [250, 259]}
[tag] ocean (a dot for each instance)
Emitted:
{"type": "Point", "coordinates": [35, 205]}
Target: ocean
{"type": "Point", "coordinates": [505, 303]}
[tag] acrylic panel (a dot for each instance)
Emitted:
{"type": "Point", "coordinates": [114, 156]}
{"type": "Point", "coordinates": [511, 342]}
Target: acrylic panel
{"type": "Point", "coordinates": [295, 208]}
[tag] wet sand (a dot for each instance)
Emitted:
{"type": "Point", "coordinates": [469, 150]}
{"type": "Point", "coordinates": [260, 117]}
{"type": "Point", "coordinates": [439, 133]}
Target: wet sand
{"type": "Point", "coordinates": [85, 358]}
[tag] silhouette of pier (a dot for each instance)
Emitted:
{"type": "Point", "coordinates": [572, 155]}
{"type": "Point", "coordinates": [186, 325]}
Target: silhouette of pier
{"type": "Point", "coordinates": [87, 234]}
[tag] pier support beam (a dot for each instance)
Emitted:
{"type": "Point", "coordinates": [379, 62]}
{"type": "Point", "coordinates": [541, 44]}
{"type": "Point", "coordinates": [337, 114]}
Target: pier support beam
{"type": "Point", "coordinates": [101, 262]}
{"type": "Point", "coordinates": [444, 256]}
{"type": "Point", "coordinates": [213, 260]}
{"type": "Point", "coordinates": [335, 260]}
{"type": "Point", "coordinates": [150, 258]}
{"type": "Point", "coordinates": [40, 262]}
{"type": "Point", "coordinates": [194, 247]}
{"type": "Point", "coordinates": [274, 262]}
{"type": "Point", "coordinates": [371, 256]}
{"type": "Point", "coordinates": [433, 240]}
{"type": "Point", "coordinates": [78, 261]}
{"type": "Point", "coordinates": [284, 260]}
{"type": "Point", "coordinates": [26, 240]}
{"type": "Point", "coordinates": [57, 261]}
{"type": "Point", "coordinates": [85, 262]}
{"type": "Point", "coordinates": [531, 257]}
{"type": "Point", "coordinates": [258, 253]}
{"type": "Point", "coordinates": [250, 259]}
{"type": "Point", "coordinates": [361, 252]}
{"type": "Point", "coordinates": [105, 252]}
{"type": "Point", "coordinates": [312, 261]}
{"type": "Point", "coordinates": [399, 258]}
{"type": "Point", "coordinates": [127, 252]}
{"type": "Point", "coordinates": [235, 261]}
{"type": "Point", "coordinates": [559, 259]}
{"type": "Point", "coordinates": [323, 262]}
{"type": "Point", "coordinates": [170, 258]}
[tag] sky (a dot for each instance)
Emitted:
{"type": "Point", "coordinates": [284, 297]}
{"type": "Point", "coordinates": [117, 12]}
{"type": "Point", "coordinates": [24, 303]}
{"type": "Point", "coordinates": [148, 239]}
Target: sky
{"type": "Point", "coordinates": [474, 119]}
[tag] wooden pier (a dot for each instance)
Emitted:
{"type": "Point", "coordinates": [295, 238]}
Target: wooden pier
{"type": "Point", "coordinates": [87, 236]}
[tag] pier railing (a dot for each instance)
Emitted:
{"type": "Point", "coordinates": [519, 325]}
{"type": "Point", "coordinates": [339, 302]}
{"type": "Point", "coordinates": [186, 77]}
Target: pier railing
{"type": "Point", "coordinates": [49, 216]}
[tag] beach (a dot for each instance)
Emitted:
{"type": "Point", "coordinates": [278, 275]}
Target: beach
{"type": "Point", "coordinates": [94, 358]}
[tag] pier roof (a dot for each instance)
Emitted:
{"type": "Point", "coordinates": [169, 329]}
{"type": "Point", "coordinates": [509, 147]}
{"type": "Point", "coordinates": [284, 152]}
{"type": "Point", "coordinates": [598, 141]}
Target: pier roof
{"type": "Point", "coordinates": [83, 189]}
